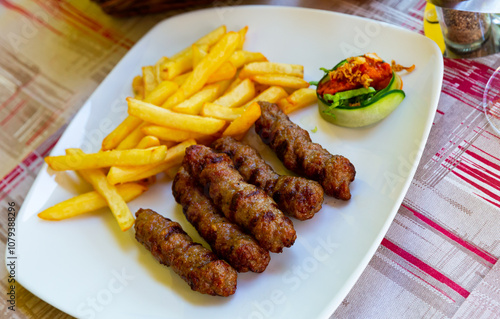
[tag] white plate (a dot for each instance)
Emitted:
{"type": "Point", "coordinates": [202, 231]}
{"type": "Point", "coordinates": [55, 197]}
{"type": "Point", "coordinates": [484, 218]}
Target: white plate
{"type": "Point", "coordinates": [88, 268]}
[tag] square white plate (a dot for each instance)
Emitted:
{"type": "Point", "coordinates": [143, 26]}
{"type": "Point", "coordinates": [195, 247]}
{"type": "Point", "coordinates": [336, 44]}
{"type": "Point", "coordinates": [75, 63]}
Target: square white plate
{"type": "Point", "coordinates": [89, 269]}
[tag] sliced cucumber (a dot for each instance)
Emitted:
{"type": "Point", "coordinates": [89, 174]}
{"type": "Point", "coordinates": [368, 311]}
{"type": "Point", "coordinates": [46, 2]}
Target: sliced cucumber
{"type": "Point", "coordinates": [376, 110]}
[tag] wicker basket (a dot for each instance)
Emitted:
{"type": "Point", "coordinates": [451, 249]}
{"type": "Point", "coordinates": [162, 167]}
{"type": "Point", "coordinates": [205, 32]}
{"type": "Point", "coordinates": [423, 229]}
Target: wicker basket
{"type": "Point", "coordinates": [124, 8]}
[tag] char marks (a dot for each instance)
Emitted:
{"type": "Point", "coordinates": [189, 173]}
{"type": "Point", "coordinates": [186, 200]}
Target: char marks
{"type": "Point", "coordinates": [240, 202]}
{"type": "Point", "coordinates": [295, 149]}
{"type": "Point", "coordinates": [172, 247]}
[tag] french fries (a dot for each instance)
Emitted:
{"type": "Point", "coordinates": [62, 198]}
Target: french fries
{"type": "Point", "coordinates": [148, 141]}
{"type": "Point", "coordinates": [148, 79]}
{"type": "Point", "coordinates": [80, 160]}
{"type": "Point", "coordinates": [241, 57]}
{"type": "Point", "coordinates": [257, 68]}
{"type": "Point", "coordinates": [271, 95]}
{"type": "Point", "coordinates": [241, 125]}
{"type": "Point", "coordinates": [157, 96]}
{"type": "Point", "coordinates": [89, 202]}
{"type": "Point", "coordinates": [194, 104]}
{"type": "Point", "coordinates": [286, 81]}
{"type": "Point", "coordinates": [225, 72]}
{"type": "Point", "coordinates": [239, 95]}
{"type": "Point", "coordinates": [219, 54]}
{"type": "Point", "coordinates": [221, 112]}
{"type": "Point", "coordinates": [116, 204]}
{"type": "Point", "coordinates": [174, 157]}
{"type": "Point", "coordinates": [163, 117]}
{"type": "Point", "coordinates": [207, 90]}
{"type": "Point", "coordinates": [297, 100]}
{"type": "Point", "coordinates": [169, 134]}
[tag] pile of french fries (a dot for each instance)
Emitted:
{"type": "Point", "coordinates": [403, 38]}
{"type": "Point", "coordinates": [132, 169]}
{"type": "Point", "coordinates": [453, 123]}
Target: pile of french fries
{"type": "Point", "coordinates": [206, 91]}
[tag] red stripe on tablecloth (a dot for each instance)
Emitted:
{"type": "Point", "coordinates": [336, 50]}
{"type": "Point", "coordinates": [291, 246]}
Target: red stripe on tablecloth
{"type": "Point", "coordinates": [13, 112]}
{"type": "Point", "coordinates": [72, 9]}
{"type": "Point", "coordinates": [472, 170]}
{"type": "Point", "coordinates": [480, 173]}
{"type": "Point", "coordinates": [10, 177]}
{"type": "Point", "coordinates": [13, 96]}
{"type": "Point", "coordinates": [482, 159]}
{"type": "Point", "coordinates": [424, 267]}
{"type": "Point", "coordinates": [464, 85]}
{"type": "Point", "coordinates": [41, 129]}
{"type": "Point", "coordinates": [423, 280]}
{"type": "Point", "coordinates": [78, 20]}
{"type": "Point", "coordinates": [9, 5]}
{"type": "Point", "coordinates": [481, 188]}
{"type": "Point", "coordinates": [481, 253]}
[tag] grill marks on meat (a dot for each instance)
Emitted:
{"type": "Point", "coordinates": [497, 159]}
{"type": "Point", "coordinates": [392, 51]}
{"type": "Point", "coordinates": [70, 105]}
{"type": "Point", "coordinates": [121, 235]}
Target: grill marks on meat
{"type": "Point", "coordinates": [242, 203]}
{"type": "Point", "coordinates": [227, 240]}
{"type": "Point", "coordinates": [296, 196]}
{"type": "Point", "coordinates": [299, 154]}
{"type": "Point", "coordinates": [171, 246]}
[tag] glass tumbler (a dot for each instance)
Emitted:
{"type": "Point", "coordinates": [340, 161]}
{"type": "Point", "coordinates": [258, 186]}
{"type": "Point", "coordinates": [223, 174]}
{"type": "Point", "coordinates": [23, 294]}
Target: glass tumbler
{"type": "Point", "coordinates": [464, 31]}
{"type": "Point", "coordinates": [491, 101]}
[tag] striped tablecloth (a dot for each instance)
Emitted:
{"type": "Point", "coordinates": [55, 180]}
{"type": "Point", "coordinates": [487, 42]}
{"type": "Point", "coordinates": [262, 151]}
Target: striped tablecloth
{"type": "Point", "coordinates": [439, 257]}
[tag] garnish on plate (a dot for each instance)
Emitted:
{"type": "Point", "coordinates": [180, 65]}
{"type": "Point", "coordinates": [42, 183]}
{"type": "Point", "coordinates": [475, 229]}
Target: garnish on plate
{"type": "Point", "coordinates": [360, 90]}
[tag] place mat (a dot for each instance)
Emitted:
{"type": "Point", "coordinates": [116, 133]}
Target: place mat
{"type": "Point", "coordinates": [439, 257]}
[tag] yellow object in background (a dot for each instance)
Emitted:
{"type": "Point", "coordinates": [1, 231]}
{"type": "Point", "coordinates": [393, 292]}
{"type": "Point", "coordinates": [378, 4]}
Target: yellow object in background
{"type": "Point", "coordinates": [432, 29]}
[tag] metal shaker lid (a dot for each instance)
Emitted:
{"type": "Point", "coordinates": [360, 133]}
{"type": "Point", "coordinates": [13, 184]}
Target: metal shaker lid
{"type": "Point", "coordinates": [487, 6]}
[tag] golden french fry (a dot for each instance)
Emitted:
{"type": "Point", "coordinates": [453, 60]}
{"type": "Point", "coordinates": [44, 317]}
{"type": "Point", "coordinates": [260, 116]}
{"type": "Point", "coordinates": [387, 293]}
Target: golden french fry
{"type": "Point", "coordinates": [178, 65]}
{"type": "Point", "coordinates": [286, 81]}
{"type": "Point", "coordinates": [115, 202]}
{"type": "Point", "coordinates": [243, 33]}
{"type": "Point", "coordinates": [169, 134]}
{"type": "Point", "coordinates": [242, 57]}
{"type": "Point", "coordinates": [107, 158]}
{"type": "Point", "coordinates": [138, 87]}
{"type": "Point", "coordinates": [175, 154]}
{"type": "Point", "coordinates": [148, 141]}
{"type": "Point", "coordinates": [148, 79]}
{"type": "Point", "coordinates": [161, 92]}
{"type": "Point", "coordinates": [100, 183]}
{"type": "Point", "coordinates": [256, 68]}
{"type": "Point", "coordinates": [239, 95]}
{"type": "Point", "coordinates": [131, 140]}
{"type": "Point", "coordinates": [219, 54]}
{"type": "Point", "coordinates": [120, 132]}
{"type": "Point", "coordinates": [235, 82]}
{"type": "Point", "coordinates": [208, 39]}
{"type": "Point", "coordinates": [184, 62]}
{"type": "Point", "coordinates": [180, 79]}
{"type": "Point", "coordinates": [297, 100]}
{"type": "Point", "coordinates": [242, 124]}
{"type": "Point", "coordinates": [163, 117]}
{"type": "Point", "coordinates": [194, 104]}
{"type": "Point", "coordinates": [158, 69]}
{"type": "Point", "coordinates": [225, 72]}
{"type": "Point", "coordinates": [272, 95]}
{"type": "Point", "coordinates": [221, 112]}
{"type": "Point", "coordinates": [198, 54]}
{"type": "Point", "coordinates": [125, 129]}
{"type": "Point", "coordinates": [89, 202]}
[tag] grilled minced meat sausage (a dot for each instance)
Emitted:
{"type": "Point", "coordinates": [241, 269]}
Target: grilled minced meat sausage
{"type": "Point", "coordinates": [296, 196]}
{"type": "Point", "coordinates": [227, 240]}
{"type": "Point", "coordinates": [171, 246]}
{"type": "Point", "coordinates": [299, 154]}
{"type": "Point", "coordinates": [242, 203]}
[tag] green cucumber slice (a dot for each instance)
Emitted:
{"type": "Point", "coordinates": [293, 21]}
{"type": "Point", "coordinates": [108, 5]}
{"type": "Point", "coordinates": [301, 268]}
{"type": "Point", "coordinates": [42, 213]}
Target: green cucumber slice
{"type": "Point", "coordinates": [363, 116]}
{"type": "Point", "coordinates": [344, 96]}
